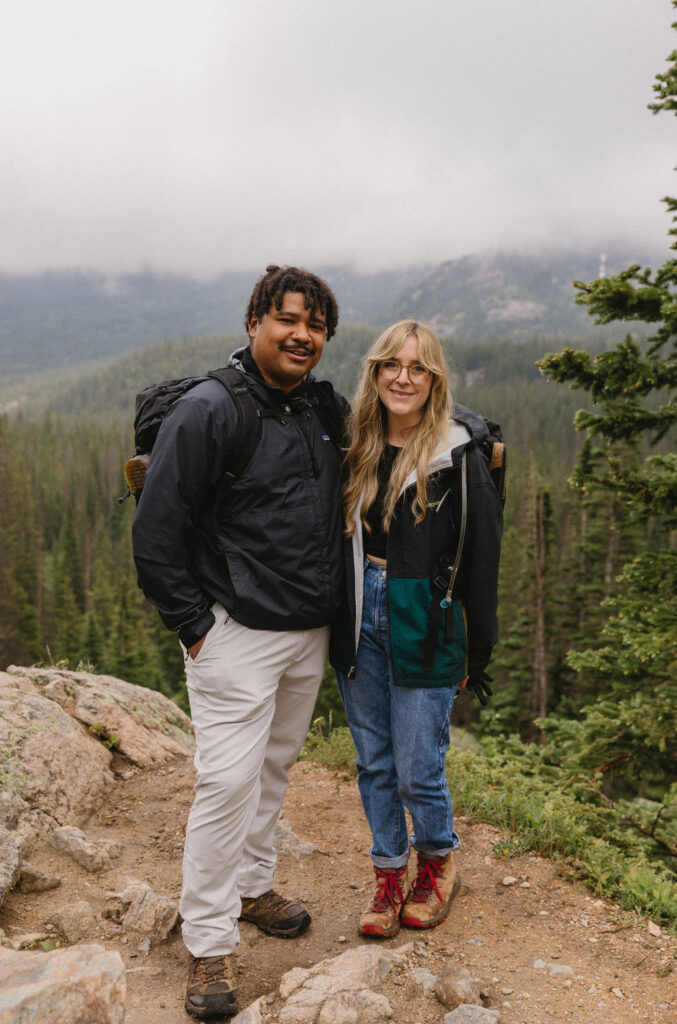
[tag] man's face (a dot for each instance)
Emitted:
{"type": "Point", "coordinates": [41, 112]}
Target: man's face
{"type": "Point", "coordinates": [287, 343]}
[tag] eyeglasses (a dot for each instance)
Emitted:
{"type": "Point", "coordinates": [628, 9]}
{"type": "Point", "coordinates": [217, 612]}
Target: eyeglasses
{"type": "Point", "coordinates": [392, 368]}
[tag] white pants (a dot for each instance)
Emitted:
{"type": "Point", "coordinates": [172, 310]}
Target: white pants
{"type": "Point", "coordinates": [252, 694]}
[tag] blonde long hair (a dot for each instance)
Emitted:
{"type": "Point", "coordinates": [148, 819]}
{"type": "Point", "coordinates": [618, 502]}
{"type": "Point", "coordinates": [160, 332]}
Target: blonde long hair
{"type": "Point", "coordinates": [369, 426]}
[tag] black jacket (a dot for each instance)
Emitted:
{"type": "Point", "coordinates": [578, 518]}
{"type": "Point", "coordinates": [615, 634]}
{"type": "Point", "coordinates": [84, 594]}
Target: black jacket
{"type": "Point", "coordinates": [267, 546]}
{"type": "Point", "coordinates": [429, 646]}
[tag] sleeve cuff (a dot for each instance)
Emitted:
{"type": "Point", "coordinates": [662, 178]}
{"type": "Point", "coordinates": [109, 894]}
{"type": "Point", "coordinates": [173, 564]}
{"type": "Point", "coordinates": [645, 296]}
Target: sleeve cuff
{"type": "Point", "coordinates": [189, 635]}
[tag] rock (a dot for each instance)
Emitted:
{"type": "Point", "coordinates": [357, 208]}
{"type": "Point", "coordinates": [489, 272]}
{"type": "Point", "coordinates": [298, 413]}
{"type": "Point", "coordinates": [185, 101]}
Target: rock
{"type": "Point", "coordinates": [560, 970]}
{"type": "Point", "coordinates": [32, 880]}
{"type": "Point", "coordinates": [52, 771]}
{"type": "Point", "coordinates": [509, 880]}
{"type": "Point", "coordinates": [342, 985]}
{"type": "Point", "coordinates": [252, 1014]}
{"type": "Point", "coordinates": [654, 930]}
{"type": "Point", "coordinates": [554, 970]}
{"type": "Point", "coordinates": [423, 978]}
{"type": "Point", "coordinates": [471, 1015]}
{"type": "Point", "coordinates": [349, 1007]}
{"type": "Point", "coordinates": [150, 729]}
{"type": "Point", "coordinates": [91, 854]}
{"type": "Point", "coordinates": [292, 980]}
{"type": "Point", "coordinates": [146, 912]}
{"type": "Point", "coordinates": [456, 986]}
{"type": "Point", "coordinates": [10, 862]}
{"type": "Point", "coordinates": [86, 983]}
{"type": "Point", "coordinates": [288, 844]}
{"type": "Point", "coordinates": [74, 920]}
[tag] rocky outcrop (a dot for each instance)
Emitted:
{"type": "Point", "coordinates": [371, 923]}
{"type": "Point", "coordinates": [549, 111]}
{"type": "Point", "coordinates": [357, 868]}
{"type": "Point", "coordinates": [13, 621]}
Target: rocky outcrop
{"type": "Point", "coordinates": [54, 768]}
{"type": "Point", "coordinates": [85, 983]}
{"type": "Point", "coordinates": [148, 728]}
{"type": "Point", "coordinates": [347, 989]}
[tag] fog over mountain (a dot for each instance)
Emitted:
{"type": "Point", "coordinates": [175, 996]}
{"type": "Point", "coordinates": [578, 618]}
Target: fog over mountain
{"type": "Point", "coordinates": [56, 319]}
{"type": "Point", "coordinates": [200, 137]}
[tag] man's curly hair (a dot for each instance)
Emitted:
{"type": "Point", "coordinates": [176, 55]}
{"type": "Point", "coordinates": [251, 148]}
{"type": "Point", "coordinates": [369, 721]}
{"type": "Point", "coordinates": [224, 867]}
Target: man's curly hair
{"type": "Point", "coordinates": [269, 291]}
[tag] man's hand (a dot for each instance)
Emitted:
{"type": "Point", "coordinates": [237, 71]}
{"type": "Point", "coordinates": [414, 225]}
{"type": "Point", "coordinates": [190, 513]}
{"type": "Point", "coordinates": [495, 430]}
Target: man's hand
{"type": "Point", "coordinates": [196, 648]}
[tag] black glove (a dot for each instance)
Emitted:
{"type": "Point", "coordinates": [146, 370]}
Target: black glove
{"type": "Point", "coordinates": [480, 687]}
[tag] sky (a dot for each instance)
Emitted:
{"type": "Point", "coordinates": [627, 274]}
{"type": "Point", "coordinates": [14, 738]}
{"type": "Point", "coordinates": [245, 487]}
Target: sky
{"type": "Point", "coordinates": [199, 136]}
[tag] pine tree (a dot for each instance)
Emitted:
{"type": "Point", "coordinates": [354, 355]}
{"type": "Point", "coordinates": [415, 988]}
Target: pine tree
{"type": "Point", "coordinates": [626, 734]}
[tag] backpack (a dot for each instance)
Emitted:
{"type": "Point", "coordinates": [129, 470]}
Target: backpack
{"type": "Point", "coordinates": [154, 402]}
{"type": "Point", "coordinates": [445, 573]}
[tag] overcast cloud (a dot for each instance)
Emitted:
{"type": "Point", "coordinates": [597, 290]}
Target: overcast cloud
{"type": "Point", "coordinates": [203, 135]}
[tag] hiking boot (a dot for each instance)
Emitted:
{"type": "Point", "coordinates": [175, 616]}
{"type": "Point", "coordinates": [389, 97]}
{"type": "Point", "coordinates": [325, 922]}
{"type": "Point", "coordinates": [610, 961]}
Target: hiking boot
{"type": "Point", "coordinates": [275, 915]}
{"type": "Point", "coordinates": [382, 918]}
{"type": "Point", "coordinates": [435, 886]}
{"type": "Point", "coordinates": [210, 994]}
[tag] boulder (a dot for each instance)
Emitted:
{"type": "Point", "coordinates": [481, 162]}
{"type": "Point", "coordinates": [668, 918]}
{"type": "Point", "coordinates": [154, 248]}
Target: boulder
{"type": "Point", "coordinates": [85, 983]}
{"type": "Point", "coordinates": [339, 990]}
{"type": "Point", "coordinates": [149, 728]}
{"type": "Point", "coordinates": [51, 770]}
{"type": "Point", "coordinates": [54, 769]}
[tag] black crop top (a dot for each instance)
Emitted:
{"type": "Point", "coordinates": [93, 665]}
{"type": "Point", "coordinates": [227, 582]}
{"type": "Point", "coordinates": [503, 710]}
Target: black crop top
{"type": "Point", "coordinates": [376, 542]}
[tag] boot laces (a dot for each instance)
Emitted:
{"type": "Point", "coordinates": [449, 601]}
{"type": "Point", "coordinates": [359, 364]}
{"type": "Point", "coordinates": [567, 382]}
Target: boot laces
{"type": "Point", "coordinates": [388, 891]}
{"type": "Point", "coordinates": [209, 969]}
{"type": "Point", "coordinates": [425, 882]}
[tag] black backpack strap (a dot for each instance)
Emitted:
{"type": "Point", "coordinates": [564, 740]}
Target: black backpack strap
{"type": "Point", "coordinates": [332, 412]}
{"type": "Point", "coordinates": [248, 435]}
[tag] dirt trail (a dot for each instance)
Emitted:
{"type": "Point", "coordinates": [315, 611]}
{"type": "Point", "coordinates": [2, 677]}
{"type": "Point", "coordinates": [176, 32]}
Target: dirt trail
{"type": "Point", "coordinates": [621, 973]}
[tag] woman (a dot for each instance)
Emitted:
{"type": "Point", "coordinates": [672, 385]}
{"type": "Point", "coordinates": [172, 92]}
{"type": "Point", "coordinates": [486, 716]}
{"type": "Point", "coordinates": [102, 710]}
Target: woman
{"type": "Point", "coordinates": [409, 463]}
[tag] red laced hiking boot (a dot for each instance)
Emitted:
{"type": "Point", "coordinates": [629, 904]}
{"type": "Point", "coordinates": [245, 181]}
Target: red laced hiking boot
{"type": "Point", "coordinates": [434, 888]}
{"type": "Point", "coordinates": [275, 915]}
{"type": "Point", "coordinates": [210, 994]}
{"type": "Point", "coordinates": [382, 918]}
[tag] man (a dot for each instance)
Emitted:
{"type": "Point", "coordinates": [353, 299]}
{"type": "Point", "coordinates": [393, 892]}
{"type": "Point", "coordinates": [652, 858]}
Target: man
{"type": "Point", "coordinates": [250, 575]}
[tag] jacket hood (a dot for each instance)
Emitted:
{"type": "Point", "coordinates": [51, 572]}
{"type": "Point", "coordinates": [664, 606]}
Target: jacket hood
{"type": "Point", "coordinates": [474, 422]}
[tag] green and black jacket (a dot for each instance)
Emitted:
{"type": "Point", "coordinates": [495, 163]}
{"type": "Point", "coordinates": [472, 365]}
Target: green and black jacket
{"type": "Point", "coordinates": [431, 646]}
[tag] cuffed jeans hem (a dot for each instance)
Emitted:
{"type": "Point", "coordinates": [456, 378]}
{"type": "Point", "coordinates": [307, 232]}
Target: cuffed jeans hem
{"type": "Point", "coordinates": [199, 942]}
{"type": "Point", "coordinates": [390, 862]}
{"type": "Point", "coordinates": [440, 851]}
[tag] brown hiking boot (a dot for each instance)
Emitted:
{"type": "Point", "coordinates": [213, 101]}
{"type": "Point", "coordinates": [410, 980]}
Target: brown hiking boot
{"type": "Point", "coordinates": [435, 886]}
{"type": "Point", "coordinates": [275, 915]}
{"type": "Point", "coordinates": [382, 918]}
{"type": "Point", "coordinates": [210, 994]}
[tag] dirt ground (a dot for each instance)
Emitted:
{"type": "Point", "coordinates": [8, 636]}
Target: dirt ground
{"type": "Point", "coordinates": [622, 973]}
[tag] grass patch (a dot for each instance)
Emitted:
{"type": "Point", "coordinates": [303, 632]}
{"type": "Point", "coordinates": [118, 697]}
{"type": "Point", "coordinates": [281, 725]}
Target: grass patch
{"type": "Point", "coordinates": [331, 747]}
{"type": "Point", "coordinates": [537, 814]}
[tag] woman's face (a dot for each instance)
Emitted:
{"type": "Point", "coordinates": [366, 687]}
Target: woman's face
{"type": "Point", "coordinates": [403, 397]}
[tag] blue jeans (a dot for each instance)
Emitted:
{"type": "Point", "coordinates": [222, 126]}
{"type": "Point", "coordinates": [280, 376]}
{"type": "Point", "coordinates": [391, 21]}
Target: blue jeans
{"type": "Point", "coordinates": [402, 737]}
